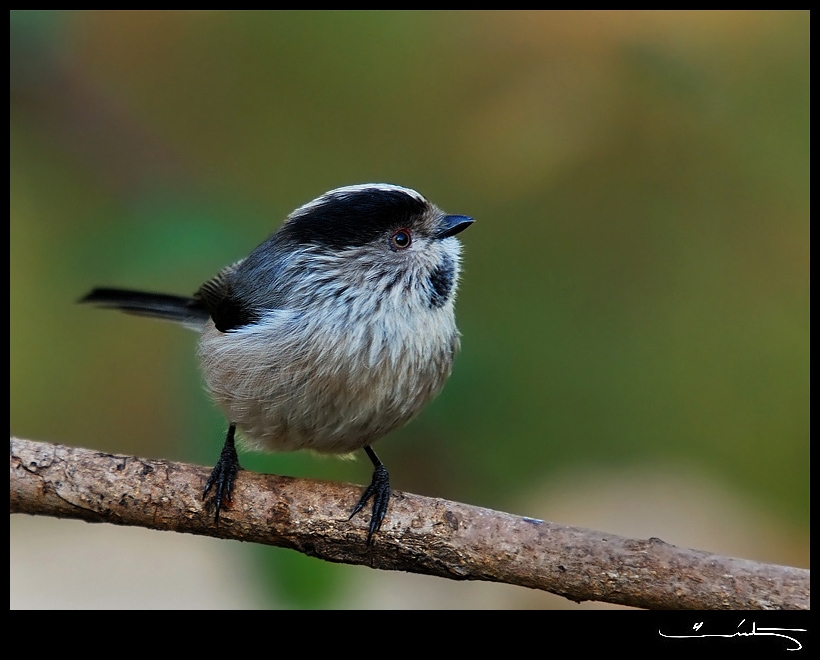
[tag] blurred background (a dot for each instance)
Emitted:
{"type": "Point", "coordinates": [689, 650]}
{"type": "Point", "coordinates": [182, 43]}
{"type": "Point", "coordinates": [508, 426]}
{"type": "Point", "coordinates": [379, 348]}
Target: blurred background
{"type": "Point", "coordinates": [634, 303]}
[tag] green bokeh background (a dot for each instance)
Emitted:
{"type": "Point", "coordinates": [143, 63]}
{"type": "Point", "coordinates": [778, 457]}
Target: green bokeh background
{"type": "Point", "coordinates": [636, 285]}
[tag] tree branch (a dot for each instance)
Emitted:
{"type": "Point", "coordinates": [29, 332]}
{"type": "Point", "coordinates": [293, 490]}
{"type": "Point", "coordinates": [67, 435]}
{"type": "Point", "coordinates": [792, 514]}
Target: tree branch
{"type": "Point", "coordinates": [419, 534]}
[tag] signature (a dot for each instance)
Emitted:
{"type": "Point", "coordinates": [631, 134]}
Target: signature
{"type": "Point", "coordinates": [755, 632]}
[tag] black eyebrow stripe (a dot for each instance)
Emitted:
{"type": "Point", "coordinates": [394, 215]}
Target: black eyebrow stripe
{"type": "Point", "coordinates": [352, 219]}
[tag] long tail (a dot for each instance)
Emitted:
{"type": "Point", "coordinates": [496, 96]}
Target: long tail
{"type": "Point", "coordinates": [190, 312]}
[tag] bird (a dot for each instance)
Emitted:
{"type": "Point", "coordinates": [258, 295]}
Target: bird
{"type": "Point", "coordinates": [336, 330]}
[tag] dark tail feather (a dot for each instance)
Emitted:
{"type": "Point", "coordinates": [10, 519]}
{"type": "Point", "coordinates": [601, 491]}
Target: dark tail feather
{"type": "Point", "coordinates": [181, 309]}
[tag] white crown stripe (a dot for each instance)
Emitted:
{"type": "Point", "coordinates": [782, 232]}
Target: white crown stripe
{"type": "Point", "coordinates": [345, 191]}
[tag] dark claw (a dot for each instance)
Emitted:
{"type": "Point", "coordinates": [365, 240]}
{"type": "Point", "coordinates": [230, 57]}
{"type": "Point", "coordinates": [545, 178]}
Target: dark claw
{"type": "Point", "coordinates": [224, 474]}
{"type": "Point", "coordinates": [379, 490]}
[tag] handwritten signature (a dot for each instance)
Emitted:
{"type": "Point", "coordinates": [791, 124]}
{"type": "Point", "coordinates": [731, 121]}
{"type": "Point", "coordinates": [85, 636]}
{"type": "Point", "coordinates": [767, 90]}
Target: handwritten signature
{"type": "Point", "coordinates": [755, 632]}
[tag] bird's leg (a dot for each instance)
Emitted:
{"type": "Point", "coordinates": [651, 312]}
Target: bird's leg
{"type": "Point", "coordinates": [379, 490]}
{"type": "Point", "coordinates": [224, 473]}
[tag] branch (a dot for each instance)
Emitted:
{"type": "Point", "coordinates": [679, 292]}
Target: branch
{"type": "Point", "coordinates": [419, 534]}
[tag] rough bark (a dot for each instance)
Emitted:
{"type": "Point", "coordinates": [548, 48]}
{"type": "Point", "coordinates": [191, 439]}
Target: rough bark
{"type": "Point", "coordinates": [419, 534]}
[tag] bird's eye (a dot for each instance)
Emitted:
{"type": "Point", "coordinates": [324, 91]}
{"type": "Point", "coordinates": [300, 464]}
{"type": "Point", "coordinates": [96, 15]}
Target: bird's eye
{"type": "Point", "coordinates": [401, 239]}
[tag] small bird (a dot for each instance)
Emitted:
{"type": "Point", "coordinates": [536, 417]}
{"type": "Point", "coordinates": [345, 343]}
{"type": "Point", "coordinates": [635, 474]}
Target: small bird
{"type": "Point", "coordinates": [337, 329]}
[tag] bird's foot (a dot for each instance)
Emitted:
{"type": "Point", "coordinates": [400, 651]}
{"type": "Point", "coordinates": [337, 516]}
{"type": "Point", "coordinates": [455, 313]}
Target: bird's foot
{"type": "Point", "coordinates": [224, 474]}
{"type": "Point", "coordinates": [379, 490]}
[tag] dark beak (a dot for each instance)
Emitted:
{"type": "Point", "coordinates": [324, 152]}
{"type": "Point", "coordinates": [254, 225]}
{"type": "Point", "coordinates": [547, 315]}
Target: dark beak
{"type": "Point", "coordinates": [450, 225]}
